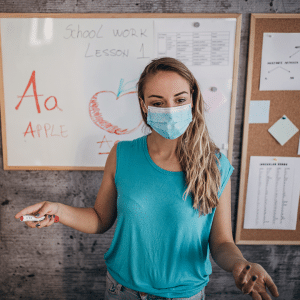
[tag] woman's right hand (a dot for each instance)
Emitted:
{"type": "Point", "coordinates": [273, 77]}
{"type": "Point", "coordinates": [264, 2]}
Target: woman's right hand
{"type": "Point", "coordinates": [45, 208]}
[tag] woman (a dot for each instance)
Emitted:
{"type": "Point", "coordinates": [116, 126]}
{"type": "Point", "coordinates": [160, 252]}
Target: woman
{"type": "Point", "coordinates": [171, 193]}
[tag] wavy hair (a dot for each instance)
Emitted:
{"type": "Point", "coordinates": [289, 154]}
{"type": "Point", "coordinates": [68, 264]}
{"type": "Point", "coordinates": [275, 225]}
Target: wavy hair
{"type": "Point", "coordinates": [197, 153]}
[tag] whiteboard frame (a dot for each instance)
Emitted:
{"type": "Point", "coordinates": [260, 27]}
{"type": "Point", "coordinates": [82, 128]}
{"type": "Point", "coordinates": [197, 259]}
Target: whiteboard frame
{"type": "Point", "coordinates": [238, 18]}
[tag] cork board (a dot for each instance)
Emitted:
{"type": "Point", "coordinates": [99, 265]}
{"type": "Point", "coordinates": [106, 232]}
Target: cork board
{"type": "Point", "coordinates": [257, 141]}
{"type": "Point", "coordinates": [68, 81]}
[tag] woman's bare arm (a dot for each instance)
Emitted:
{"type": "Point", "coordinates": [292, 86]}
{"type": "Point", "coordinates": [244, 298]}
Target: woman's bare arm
{"type": "Point", "coordinates": [97, 219]}
{"type": "Point", "coordinates": [250, 278]}
{"type": "Point", "coordinates": [222, 247]}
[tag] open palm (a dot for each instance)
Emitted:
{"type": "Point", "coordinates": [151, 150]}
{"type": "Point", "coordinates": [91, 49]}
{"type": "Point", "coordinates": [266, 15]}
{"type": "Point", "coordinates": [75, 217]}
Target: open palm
{"type": "Point", "coordinates": [254, 281]}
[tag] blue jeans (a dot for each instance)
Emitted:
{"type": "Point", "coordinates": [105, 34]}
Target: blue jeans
{"type": "Point", "coordinates": [114, 290]}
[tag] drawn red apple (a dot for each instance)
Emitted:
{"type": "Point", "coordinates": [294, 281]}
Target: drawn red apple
{"type": "Point", "coordinates": [115, 114]}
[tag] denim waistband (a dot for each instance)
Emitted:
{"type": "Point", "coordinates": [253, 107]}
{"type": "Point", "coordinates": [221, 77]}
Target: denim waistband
{"type": "Point", "coordinates": [120, 287]}
{"type": "Point", "coordinates": [116, 288]}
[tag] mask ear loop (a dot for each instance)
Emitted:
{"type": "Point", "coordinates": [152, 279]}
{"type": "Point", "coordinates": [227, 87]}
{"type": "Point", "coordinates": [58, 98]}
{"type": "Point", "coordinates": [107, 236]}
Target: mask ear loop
{"type": "Point", "coordinates": [145, 105]}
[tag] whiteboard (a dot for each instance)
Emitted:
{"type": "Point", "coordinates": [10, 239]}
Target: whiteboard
{"type": "Point", "coordinates": [69, 84]}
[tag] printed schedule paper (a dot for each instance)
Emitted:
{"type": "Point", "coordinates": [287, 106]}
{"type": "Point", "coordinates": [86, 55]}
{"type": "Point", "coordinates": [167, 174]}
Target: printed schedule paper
{"type": "Point", "coordinates": [272, 193]}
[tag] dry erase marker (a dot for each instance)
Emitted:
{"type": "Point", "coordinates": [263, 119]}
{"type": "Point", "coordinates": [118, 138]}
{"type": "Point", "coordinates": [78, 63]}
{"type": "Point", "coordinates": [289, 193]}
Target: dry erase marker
{"type": "Point", "coordinates": [34, 219]}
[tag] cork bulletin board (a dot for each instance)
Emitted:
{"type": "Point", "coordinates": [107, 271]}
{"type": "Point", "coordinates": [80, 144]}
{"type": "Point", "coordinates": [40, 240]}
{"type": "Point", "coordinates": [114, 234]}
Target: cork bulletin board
{"type": "Point", "coordinates": [257, 141]}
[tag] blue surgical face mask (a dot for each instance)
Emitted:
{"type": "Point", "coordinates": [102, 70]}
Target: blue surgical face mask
{"type": "Point", "coordinates": [170, 122]}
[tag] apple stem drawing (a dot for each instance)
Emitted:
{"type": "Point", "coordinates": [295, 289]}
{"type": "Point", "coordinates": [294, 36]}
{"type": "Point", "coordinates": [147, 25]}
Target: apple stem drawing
{"type": "Point", "coordinates": [122, 89]}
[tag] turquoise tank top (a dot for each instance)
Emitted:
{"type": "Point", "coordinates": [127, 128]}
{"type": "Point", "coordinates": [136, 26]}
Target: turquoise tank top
{"type": "Point", "coordinates": [160, 245]}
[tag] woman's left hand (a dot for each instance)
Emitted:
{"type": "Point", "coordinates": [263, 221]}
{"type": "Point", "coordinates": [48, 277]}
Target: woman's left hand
{"type": "Point", "coordinates": [254, 280]}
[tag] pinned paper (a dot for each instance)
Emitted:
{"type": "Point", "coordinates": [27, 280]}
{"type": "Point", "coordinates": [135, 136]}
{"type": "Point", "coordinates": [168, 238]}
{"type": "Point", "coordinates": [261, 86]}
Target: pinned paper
{"type": "Point", "coordinates": [213, 98]}
{"type": "Point", "coordinates": [272, 199]}
{"type": "Point", "coordinates": [259, 111]}
{"type": "Point", "coordinates": [280, 62]}
{"type": "Point", "coordinates": [299, 147]}
{"type": "Point", "coordinates": [283, 130]}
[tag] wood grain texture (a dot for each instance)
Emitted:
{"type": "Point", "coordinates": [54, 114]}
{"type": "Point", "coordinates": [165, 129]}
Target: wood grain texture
{"type": "Point", "coordinates": [60, 263]}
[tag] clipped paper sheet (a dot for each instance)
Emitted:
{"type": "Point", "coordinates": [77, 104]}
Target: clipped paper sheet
{"type": "Point", "coordinates": [259, 111]}
{"type": "Point", "coordinates": [280, 62]}
{"type": "Point", "coordinates": [272, 193]}
{"type": "Point", "coordinates": [213, 98]}
{"type": "Point", "coordinates": [283, 130]}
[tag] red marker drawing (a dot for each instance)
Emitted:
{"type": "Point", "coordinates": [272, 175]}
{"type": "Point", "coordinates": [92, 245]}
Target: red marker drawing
{"type": "Point", "coordinates": [96, 112]}
{"type": "Point", "coordinates": [34, 219]}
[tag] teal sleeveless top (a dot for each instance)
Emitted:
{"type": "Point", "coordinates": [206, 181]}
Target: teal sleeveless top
{"type": "Point", "coordinates": [160, 245]}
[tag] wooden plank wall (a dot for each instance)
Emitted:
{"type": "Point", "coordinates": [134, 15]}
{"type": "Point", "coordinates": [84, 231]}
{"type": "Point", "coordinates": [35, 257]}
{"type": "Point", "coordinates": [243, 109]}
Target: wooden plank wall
{"type": "Point", "coordinates": [60, 263]}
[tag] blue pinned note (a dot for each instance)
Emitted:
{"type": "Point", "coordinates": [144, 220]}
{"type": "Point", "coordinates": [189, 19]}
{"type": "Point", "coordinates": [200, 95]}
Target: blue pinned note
{"type": "Point", "coordinates": [259, 111]}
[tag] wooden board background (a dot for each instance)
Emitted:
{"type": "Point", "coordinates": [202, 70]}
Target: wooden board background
{"type": "Point", "coordinates": [61, 263]}
{"type": "Point", "coordinates": [257, 141]}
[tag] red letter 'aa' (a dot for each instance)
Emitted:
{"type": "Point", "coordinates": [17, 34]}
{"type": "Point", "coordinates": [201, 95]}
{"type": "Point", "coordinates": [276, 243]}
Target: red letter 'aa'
{"type": "Point", "coordinates": [31, 81]}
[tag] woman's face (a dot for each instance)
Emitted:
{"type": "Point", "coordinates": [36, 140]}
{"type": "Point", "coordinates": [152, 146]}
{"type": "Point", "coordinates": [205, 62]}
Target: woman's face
{"type": "Point", "coordinates": [166, 89]}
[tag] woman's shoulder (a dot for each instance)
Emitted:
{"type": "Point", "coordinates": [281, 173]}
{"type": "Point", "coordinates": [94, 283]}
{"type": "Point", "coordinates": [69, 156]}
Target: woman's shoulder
{"type": "Point", "coordinates": [222, 160]}
{"type": "Point", "coordinates": [225, 168]}
{"type": "Point", "coordinates": [130, 146]}
{"type": "Point", "coordinates": [131, 143]}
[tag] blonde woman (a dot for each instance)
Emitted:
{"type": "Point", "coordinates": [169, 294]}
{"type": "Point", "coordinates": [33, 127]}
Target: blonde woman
{"type": "Point", "coordinates": [170, 191]}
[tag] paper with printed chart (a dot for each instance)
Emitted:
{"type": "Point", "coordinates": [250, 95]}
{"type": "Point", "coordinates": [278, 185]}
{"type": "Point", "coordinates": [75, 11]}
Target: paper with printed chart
{"type": "Point", "coordinates": [272, 193]}
{"type": "Point", "coordinates": [280, 63]}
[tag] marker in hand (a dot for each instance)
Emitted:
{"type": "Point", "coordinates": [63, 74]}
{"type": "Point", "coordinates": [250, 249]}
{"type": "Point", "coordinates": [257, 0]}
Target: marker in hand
{"type": "Point", "coordinates": [34, 219]}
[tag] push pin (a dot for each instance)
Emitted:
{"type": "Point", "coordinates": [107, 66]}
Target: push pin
{"type": "Point", "coordinates": [213, 89]}
{"type": "Point", "coordinates": [196, 24]}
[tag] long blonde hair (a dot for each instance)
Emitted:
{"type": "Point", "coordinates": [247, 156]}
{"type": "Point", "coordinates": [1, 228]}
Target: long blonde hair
{"type": "Point", "coordinates": [197, 153]}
